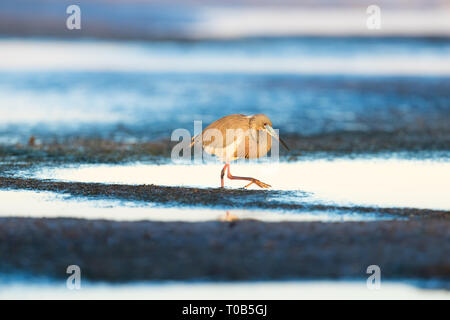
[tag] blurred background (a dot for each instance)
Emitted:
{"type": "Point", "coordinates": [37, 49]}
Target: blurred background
{"type": "Point", "coordinates": [90, 105]}
{"type": "Point", "coordinates": [138, 69]}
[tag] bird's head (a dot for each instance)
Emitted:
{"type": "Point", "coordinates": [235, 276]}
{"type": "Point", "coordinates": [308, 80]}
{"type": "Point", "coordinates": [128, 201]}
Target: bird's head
{"type": "Point", "coordinates": [262, 122]}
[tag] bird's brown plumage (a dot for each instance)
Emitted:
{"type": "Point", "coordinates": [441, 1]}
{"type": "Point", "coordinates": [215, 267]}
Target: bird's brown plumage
{"type": "Point", "coordinates": [246, 140]}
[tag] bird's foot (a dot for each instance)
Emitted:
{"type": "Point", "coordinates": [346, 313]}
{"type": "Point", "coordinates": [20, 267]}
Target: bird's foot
{"type": "Point", "coordinates": [258, 183]}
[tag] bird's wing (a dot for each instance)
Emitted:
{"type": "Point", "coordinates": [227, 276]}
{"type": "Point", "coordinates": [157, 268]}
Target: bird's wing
{"type": "Point", "coordinates": [232, 122]}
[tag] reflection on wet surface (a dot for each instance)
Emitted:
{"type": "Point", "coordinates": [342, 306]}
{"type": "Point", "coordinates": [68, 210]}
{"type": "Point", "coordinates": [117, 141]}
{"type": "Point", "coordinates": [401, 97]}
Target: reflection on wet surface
{"type": "Point", "coordinates": [369, 182]}
{"type": "Point", "coordinates": [52, 205]}
{"type": "Point", "coordinates": [219, 290]}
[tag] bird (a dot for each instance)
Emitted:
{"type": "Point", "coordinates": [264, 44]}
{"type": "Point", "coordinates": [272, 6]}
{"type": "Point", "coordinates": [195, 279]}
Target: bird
{"type": "Point", "coordinates": [238, 136]}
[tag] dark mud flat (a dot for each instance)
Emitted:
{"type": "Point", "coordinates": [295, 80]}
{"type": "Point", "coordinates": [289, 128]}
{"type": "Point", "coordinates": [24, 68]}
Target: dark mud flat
{"type": "Point", "coordinates": [242, 250]}
{"type": "Point", "coordinates": [63, 149]}
{"type": "Point", "coordinates": [232, 198]}
{"type": "Point", "coordinates": [414, 248]}
{"type": "Point", "coordinates": [417, 247]}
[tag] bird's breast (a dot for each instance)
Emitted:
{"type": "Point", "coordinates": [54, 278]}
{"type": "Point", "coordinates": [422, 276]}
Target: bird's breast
{"type": "Point", "coordinates": [250, 144]}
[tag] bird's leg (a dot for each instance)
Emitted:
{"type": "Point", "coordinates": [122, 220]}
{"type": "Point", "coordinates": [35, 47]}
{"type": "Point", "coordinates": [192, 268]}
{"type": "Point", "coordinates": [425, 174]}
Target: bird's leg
{"type": "Point", "coordinates": [253, 180]}
{"type": "Point", "coordinates": [223, 173]}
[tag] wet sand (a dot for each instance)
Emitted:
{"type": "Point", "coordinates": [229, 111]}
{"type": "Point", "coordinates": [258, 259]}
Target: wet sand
{"type": "Point", "coordinates": [117, 251]}
{"type": "Point", "coordinates": [96, 150]}
{"type": "Point", "coordinates": [231, 198]}
{"type": "Point", "coordinates": [241, 250]}
{"type": "Point", "coordinates": [416, 244]}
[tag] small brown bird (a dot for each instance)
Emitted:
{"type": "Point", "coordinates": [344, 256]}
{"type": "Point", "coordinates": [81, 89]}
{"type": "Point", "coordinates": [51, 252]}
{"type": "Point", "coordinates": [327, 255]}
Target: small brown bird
{"type": "Point", "coordinates": [238, 136]}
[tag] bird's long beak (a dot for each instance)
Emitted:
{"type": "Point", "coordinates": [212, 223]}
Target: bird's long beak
{"type": "Point", "coordinates": [272, 132]}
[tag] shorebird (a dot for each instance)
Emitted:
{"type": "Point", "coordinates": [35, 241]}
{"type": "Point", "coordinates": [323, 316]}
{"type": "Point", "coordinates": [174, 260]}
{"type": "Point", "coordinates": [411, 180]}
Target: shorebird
{"type": "Point", "coordinates": [238, 136]}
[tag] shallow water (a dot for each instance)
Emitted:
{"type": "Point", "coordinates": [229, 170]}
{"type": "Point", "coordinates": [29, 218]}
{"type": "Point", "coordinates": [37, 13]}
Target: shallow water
{"type": "Point", "coordinates": [145, 90]}
{"type": "Point", "coordinates": [383, 182]}
{"type": "Point", "coordinates": [301, 55]}
{"type": "Point", "coordinates": [50, 289]}
{"type": "Point", "coordinates": [53, 205]}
